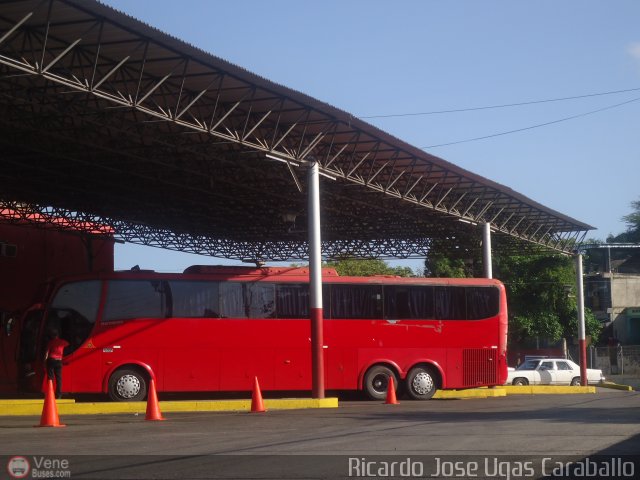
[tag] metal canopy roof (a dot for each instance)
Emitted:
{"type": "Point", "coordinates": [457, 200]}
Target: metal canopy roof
{"type": "Point", "coordinates": [107, 120]}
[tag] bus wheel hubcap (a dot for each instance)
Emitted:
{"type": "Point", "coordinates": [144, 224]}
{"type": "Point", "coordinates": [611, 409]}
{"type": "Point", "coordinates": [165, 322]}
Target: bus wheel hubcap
{"type": "Point", "coordinates": [128, 386]}
{"type": "Point", "coordinates": [422, 383]}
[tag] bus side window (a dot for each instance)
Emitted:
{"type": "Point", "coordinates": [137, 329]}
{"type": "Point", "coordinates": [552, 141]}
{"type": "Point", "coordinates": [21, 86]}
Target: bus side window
{"type": "Point", "coordinates": [450, 303]}
{"type": "Point", "coordinates": [482, 302]}
{"type": "Point", "coordinates": [396, 302]}
{"type": "Point", "coordinates": [260, 301]}
{"type": "Point", "coordinates": [326, 300]}
{"type": "Point", "coordinates": [128, 299]}
{"type": "Point", "coordinates": [356, 301]}
{"type": "Point", "coordinates": [292, 300]}
{"type": "Point", "coordinates": [408, 302]}
{"type": "Point", "coordinates": [195, 299]}
{"type": "Point", "coordinates": [232, 300]}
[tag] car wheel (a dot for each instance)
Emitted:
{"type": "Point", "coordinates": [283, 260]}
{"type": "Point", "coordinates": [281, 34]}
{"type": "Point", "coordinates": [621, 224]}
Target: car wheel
{"type": "Point", "coordinates": [520, 381]}
{"type": "Point", "coordinates": [127, 385]}
{"type": "Point", "coordinates": [376, 382]}
{"type": "Point", "coordinates": [575, 382]}
{"type": "Point", "coordinates": [421, 383]}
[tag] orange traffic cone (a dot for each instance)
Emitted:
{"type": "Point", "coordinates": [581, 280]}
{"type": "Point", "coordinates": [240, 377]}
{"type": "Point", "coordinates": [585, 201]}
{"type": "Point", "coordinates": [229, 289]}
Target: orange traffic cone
{"type": "Point", "coordinates": [256, 398]}
{"type": "Point", "coordinates": [49, 416]}
{"type": "Point", "coordinates": [153, 409]}
{"type": "Point", "coordinates": [391, 393]}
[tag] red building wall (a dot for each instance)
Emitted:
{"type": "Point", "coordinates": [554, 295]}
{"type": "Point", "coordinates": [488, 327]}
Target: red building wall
{"type": "Point", "coordinates": [30, 256]}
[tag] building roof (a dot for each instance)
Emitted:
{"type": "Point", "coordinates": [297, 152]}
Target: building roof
{"type": "Point", "coordinates": [106, 119]}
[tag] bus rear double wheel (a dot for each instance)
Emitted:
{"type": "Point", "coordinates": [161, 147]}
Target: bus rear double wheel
{"type": "Point", "coordinates": [127, 385]}
{"type": "Point", "coordinates": [421, 382]}
{"type": "Point", "coordinates": [376, 381]}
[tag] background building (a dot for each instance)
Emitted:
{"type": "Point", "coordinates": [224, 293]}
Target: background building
{"type": "Point", "coordinates": [612, 289]}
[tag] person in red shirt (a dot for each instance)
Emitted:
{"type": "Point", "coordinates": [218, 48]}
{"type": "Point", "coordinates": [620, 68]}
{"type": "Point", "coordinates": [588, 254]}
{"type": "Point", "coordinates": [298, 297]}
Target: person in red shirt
{"type": "Point", "coordinates": [53, 359]}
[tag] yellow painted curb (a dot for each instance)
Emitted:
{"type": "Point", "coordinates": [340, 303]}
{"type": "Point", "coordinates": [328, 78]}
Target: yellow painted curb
{"type": "Point", "coordinates": [28, 406]}
{"type": "Point", "coordinates": [617, 386]}
{"type": "Point", "coordinates": [470, 393]}
{"type": "Point", "coordinates": [68, 407]}
{"type": "Point", "coordinates": [546, 389]}
{"type": "Point", "coordinates": [30, 401]}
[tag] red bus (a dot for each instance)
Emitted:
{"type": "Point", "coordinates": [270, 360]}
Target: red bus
{"type": "Point", "coordinates": [215, 328]}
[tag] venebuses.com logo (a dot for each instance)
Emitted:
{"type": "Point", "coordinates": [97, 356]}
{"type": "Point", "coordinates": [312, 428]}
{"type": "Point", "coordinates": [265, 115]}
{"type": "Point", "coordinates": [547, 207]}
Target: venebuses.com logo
{"type": "Point", "coordinates": [18, 467]}
{"type": "Point", "coordinates": [38, 467]}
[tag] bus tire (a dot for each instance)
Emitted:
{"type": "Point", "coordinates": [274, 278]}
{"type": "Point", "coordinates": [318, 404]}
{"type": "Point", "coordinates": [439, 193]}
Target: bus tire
{"type": "Point", "coordinates": [421, 383]}
{"type": "Point", "coordinates": [127, 385]}
{"type": "Point", "coordinates": [376, 382]}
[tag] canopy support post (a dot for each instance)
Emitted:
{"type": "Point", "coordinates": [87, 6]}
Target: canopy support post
{"type": "Point", "coordinates": [315, 283]}
{"type": "Point", "coordinates": [486, 250]}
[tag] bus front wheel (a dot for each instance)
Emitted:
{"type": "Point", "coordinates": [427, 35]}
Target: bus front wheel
{"type": "Point", "coordinates": [376, 382]}
{"type": "Point", "coordinates": [127, 385]}
{"type": "Point", "coordinates": [421, 383]}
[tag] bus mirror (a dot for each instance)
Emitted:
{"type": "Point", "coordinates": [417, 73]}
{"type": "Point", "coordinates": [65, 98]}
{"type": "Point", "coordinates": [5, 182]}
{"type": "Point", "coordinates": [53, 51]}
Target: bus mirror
{"type": "Point", "coordinates": [8, 326]}
{"type": "Point", "coordinates": [8, 321]}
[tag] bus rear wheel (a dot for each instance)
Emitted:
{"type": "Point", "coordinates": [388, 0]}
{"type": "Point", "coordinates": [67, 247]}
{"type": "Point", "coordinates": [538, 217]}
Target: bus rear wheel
{"type": "Point", "coordinates": [127, 385]}
{"type": "Point", "coordinates": [421, 383]}
{"type": "Point", "coordinates": [376, 382]}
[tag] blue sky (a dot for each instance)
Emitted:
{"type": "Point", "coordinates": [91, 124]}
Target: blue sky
{"type": "Point", "coordinates": [374, 57]}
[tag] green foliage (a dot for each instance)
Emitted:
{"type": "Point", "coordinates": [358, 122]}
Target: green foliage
{"type": "Point", "coordinates": [537, 294]}
{"type": "Point", "coordinates": [593, 326]}
{"type": "Point", "coordinates": [542, 324]}
{"type": "Point", "coordinates": [632, 235]}
{"type": "Point", "coordinates": [363, 268]}
{"type": "Point", "coordinates": [438, 265]}
{"type": "Point", "coordinates": [541, 296]}
{"type": "Point", "coordinates": [633, 219]}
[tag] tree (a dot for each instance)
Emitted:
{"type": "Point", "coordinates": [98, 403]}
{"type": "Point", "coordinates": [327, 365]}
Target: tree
{"type": "Point", "coordinates": [439, 265]}
{"type": "Point", "coordinates": [632, 235]}
{"type": "Point", "coordinates": [363, 268]}
{"type": "Point", "coordinates": [541, 294]}
{"type": "Point", "coordinates": [633, 219]}
{"type": "Point", "coordinates": [537, 288]}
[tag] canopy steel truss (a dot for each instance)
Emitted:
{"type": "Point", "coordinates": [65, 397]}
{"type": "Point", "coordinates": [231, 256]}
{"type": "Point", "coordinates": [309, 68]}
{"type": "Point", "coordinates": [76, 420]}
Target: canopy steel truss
{"type": "Point", "coordinates": [107, 120]}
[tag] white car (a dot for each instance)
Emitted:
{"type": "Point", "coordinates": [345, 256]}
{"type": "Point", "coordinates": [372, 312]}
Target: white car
{"type": "Point", "coordinates": [551, 371]}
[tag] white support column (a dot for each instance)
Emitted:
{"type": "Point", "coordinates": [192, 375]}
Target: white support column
{"type": "Point", "coordinates": [315, 284]}
{"type": "Point", "coordinates": [582, 340]}
{"type": "Point", "coordinates": [486, 250]}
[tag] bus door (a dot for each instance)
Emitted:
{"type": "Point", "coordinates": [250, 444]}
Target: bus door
{"type": "Point", "coordinates": [30, 359]}
{"type": "Point", "coordinates": [80, 361]}
{"type": "Point", "coordinates": [73, 314]}
{"type": "Point", "coordinates": [8, 352]}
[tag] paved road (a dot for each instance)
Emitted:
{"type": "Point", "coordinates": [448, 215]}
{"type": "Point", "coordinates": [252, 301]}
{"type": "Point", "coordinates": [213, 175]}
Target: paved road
{"type": "Point", "coordinates": [251, 445]}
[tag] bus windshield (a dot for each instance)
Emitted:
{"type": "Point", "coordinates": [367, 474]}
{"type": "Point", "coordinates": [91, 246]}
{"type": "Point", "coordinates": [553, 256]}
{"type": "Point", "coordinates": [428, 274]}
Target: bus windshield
{"type": "Point", "coordinates": [73, 313]}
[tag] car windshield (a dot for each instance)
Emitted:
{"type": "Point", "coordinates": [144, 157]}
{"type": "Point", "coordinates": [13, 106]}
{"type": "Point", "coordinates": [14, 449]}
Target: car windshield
{"type": "Point", "coordinates": [528, 365]}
